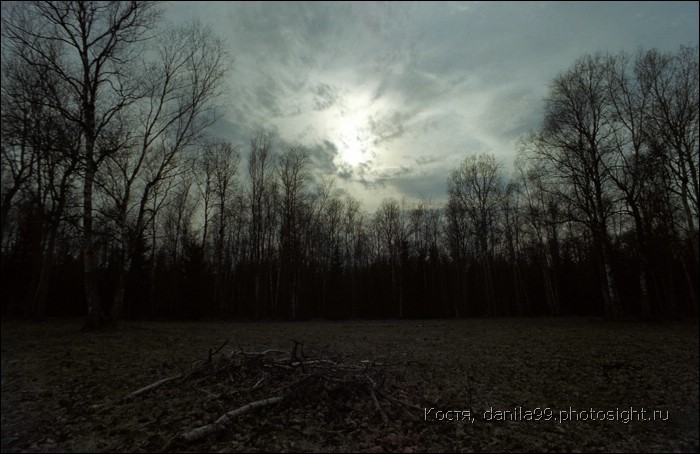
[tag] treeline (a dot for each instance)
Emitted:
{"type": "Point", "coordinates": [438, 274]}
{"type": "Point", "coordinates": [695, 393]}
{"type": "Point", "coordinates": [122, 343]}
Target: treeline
{"type": "Point", "coordinates": [117, 203]}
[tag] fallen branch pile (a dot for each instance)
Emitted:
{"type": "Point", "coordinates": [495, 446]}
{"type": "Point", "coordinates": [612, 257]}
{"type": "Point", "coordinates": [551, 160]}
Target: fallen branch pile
{"type": "Point", "coordinates": [246, 381]}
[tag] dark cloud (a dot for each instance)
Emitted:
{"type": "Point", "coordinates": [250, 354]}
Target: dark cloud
{"type": "Point", "coordinates": [345, 172]}
{"type": "Point", "coordinates": [322, 157]}
{"type": "Point", "coordinates": [427, 160]}
{"type": "Point", "coordinates": [428, 186]}
{"type": "Point", "coordinates": [383, 178]}
{"type": "Point", "coordinates": [325, 96]}
{"type": "Point", "coordinates": [388, 126]}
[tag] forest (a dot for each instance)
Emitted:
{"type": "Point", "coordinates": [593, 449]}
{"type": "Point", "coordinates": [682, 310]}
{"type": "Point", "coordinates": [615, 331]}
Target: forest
{"type": "Point", "coordinates": [117, 202]}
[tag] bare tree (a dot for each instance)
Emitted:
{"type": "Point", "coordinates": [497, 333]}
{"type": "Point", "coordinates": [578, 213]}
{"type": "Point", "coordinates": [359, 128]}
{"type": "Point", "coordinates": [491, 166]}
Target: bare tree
{"type": "Point", "coordinates": [512, 218]}
{"type": "Point", "coordinates": [179, 238]}
{"type": "Point", "coordinates": [329, 247]}
{"type": "Point", "coordinates": [262, 196]}
{"type": "Point", "coordinates": [672, 82]}
{"type": "Point", "coordinates": [91, 47]}
{"type": "Point", "coordinates": [181, 88]}
{"type": "Point", "coordinates": [542, 223]}
{"type": "Point", "coordinates": [293, 174]}
{"type": "Point", "coordinates": [218, 163]}
{"type": "Point", "coordinates": [575, 146]}
{"type": "Point", "coordinates": [391, 226]}
{"type": "Point", "coordinates": [21, 116]}
{"type": "Point", "coordinates": [39, 159]}
{"type": "Point", "coordinates": [425, 242]}
{"type": "Point", "coordinates": [632, 162]}
{"type": "Point", "coordinates": [475, 192]}
{"type": "Point", "coordinates": [354, 225]}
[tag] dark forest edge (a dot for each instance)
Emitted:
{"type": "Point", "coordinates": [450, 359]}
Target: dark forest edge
{"type": "Point", "coordinates": [117, 204]}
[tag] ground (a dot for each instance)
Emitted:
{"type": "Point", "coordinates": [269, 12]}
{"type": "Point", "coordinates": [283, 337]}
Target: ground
{"type": "Point", "coordinates": [63, 389]}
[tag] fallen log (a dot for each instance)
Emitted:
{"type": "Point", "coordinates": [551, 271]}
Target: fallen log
{"type": "Point", "coordinates": [220, 424]}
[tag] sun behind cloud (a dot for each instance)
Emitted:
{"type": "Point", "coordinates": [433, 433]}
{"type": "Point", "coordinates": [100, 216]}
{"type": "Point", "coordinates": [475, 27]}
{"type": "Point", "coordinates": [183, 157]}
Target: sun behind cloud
{"type": "Point", "coordinates": [347, 125]}
{"type": "Point", "coordinates": [354, 143]}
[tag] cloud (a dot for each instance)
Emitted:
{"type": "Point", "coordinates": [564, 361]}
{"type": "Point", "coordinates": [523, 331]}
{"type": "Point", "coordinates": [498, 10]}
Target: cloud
{"type": "Point", "coordinates": [325, 96]}
{"type": "Point", "coordinates": [322, 158]}
{"type": "Point", "coordinates": [427, 160]}
{"type": "Point", "coordinates": [429, 186]}
{"type": "Point", "coordinates": [387, 126]}
{"type": "Point", "coordinates": [407, 90]}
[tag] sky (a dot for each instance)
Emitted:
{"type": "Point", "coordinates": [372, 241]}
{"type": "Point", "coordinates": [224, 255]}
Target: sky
{"type": "Point", "coordinates": [388, 98]}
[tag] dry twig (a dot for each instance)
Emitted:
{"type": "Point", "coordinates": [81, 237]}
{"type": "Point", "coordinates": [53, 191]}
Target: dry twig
{"type": "Point", "coordinates": [151, 386]}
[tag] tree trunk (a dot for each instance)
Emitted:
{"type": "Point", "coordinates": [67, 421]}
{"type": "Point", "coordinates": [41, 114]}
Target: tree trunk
{"type": "Point", "coordinates": [42, 289]}
{"type": "Point", "coordinates": [488, 286]}
{"type": "Point", "coordinates": [644, 301]}
{"type": "Point", "coordinates": [610, 298]}
{"type": "Point", "coordinates": [117, 309]}
{"type": "Point", "coordinates": [123, 265]}
{"type": "Point", "coordinates": [550, 292]}
{"type": "Point", "coordinates": [92, 295]}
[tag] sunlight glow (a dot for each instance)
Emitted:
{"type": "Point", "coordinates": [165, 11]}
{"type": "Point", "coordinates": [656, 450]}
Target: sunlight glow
{"type": "Point", "coordinates": [350, 127]}
{"type": "Point", "coordinates": [353, 144]}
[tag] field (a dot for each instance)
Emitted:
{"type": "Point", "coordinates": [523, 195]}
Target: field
{"type": "Point", "coordinates": [441, 385]}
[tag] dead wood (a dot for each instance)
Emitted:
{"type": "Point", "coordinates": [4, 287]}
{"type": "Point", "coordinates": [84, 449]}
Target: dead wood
{"type": "Point", "coordinates": [292, 376]}
{"type": "Point", "coordinates": [217, 350]}
{"type": "Point", "coordinates": [151, 386]}
{"type": "Point", "coordinates": [379, 408]}
{"type": "Point", "coordinates": [220, 424]}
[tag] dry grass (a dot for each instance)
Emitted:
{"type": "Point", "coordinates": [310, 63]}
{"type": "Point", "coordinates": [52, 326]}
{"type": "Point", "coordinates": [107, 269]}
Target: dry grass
{"type": "Point", "coordinates": [62, 389]}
